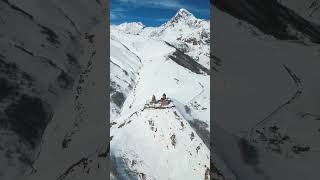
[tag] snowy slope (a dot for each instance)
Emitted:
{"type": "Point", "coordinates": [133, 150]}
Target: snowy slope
{"type": "Point", "coordinates": [123, 74]}
{"type": "Point", "coordinates": [180, 153]}
{"type": "Point", "coordinates": [47, 53]}
{"type": "Point", "coordinates": [265, 100]}
{"type": "Point", "coordinates": [77, 149]}
{"type": "Point", "coordinates": [174, 64]}
{"type": "Point", "coordinates": [309, 9]}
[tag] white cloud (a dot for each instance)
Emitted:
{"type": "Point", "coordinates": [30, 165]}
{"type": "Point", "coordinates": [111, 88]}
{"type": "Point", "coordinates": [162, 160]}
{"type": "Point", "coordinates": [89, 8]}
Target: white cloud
{"type": "Point", "coordinates": [116, 13]}
{"type": "Point", "coordinates": [113, 16]}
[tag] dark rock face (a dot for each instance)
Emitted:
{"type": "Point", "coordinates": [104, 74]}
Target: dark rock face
{"type": "Point", "coordinates": [271, 18]}
{"type": "Point", "coordinates": [6, 88]}
{"type": "Point", "coordinates": [65, 81]}
{"type": "Point", "coordinates": [186, 61]}
{"type": "Point", "coordinates": [249, 152]}
{"type": "Point", "coordinates": [118, 98]}
{"type": "Point", "coordinates": [200, 128]}
{"type": "Point", "coordinates": [28, 117]}
{"type": "Point", "coordinates": [51, 36]}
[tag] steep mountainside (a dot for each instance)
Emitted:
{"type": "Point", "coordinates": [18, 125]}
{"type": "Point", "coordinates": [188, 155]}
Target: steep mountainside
{"type": "Point", "coordinates": [123, 74]}
{"type": "Point", "coordinates": [265, 118]}
{"type": "Point", "coordinates": [180, 153]}
{"type": "Point", "coordinates": [52, 61]}
{"type": "Point", "coordinates": [272, 18]}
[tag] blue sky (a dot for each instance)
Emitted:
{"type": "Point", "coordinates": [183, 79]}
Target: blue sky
{"type": "Point", "coordinates": [155, 12]}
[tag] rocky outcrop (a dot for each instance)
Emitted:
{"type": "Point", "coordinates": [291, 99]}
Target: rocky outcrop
{"type": "Point", "coordinates": [272, 18]}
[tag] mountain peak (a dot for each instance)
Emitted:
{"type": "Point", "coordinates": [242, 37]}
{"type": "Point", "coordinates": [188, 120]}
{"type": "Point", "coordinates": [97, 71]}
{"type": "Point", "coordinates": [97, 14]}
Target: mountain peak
{"type": "Point", "coordinates": [183, 13]}
{"type": "Point", "coordinates": [140, 24]}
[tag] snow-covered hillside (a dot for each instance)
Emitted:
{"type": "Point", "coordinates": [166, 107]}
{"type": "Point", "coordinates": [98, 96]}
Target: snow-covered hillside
{"type": "Point", "coordinates": [123, 74]}
{"type": "Point", "coordinates": [180, 153]}
{"type": "Point", "coordinates": [52, 68]}
{"type": "Point", "coordinates": [266, 106]}
{"type": "Point", "coordinates": [161, 143]}
{"type": "Point", "coordinates": [129, 28]}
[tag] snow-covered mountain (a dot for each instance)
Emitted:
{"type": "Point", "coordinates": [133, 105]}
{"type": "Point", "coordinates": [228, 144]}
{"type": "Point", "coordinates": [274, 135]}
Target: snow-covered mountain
{"type": "Point", "coordinates": [188, 33]}
{"type": "Point", "coordinates": [52, 69]}
{"type": "Point", "coordinates": [170, 142]}
{"type": "Point", "coordinates": [265, 120]}
{"type": "Point", "coordinates": [129, 28]}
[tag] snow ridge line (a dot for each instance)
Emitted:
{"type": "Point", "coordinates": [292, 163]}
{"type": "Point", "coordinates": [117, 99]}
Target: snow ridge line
{"type": "Point", "coordinates": [141, 110]}
{"type": "Point", "coordinates": [133, 90]}
{"type": "Point", "coordinates": [83, 161]}
{"type": "Point", "coordinates": [197, 94]}
{"type": "Point", "coordinates": [131, 51]}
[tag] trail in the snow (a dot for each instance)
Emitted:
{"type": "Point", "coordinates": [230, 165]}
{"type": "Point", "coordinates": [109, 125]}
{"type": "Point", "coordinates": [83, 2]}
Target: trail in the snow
{"type": "Point", "coordinates": [197, 95]}
{"type": "Point", "coordinates": [292, 99]}
{"type": "Point", "coordinates": [133, 92]}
